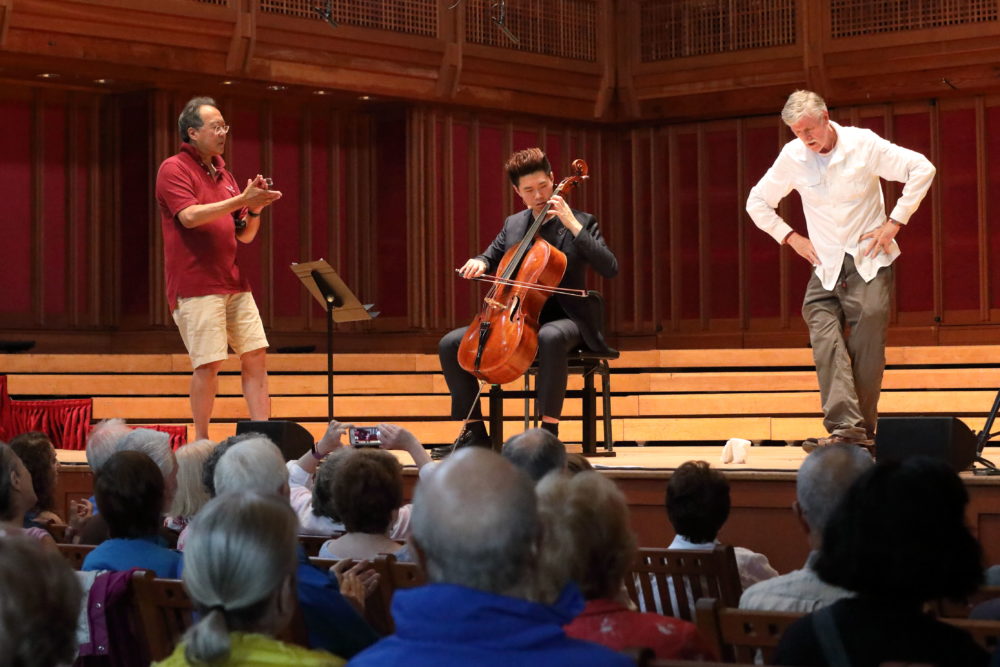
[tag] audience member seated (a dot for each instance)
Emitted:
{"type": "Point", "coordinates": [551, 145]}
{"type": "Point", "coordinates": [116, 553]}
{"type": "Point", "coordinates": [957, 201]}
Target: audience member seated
{"type": "Point", "coordinates": [240, 573]}
{"type": "Point", "coordinates": [334, 624]}
{"type": "Point", "coordinates": [897, 540]}
{"type": "Point", "coordinates": [536, 451]}
{"type": "Point", "coordinates": [823, 479]}
{"type": "Point", "coordinates": [39, 456]}
{"type": "Point", "coordinates": [586, 525]}
{"type": "Point", "coordinates": [698, 506]}
{"type": "Point", "coordinates": [130, 496]}
{"type": "Point", "coordinates": [17, 497]}
{"type": "Point", "coordinates": [112, 436]}
{"type": "Point", "coordinates": [191, 494]}
{"type": "Point", "coordinates": [365, 491]}
{"type": "Point", "coordinates": [313, 521]}
{"type": "Point", "coordinates": [477, 532]}
{"type": "Point", "coordinates": [39, 605]}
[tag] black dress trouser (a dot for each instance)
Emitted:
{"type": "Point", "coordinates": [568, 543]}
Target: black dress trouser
{"type": "Point", "coordinates": [555, 340]}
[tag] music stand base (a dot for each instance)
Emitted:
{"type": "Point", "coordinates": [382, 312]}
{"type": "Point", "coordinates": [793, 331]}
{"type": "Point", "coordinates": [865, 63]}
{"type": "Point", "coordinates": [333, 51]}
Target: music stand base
{"type": "Point", "coordinates": [989, 468]}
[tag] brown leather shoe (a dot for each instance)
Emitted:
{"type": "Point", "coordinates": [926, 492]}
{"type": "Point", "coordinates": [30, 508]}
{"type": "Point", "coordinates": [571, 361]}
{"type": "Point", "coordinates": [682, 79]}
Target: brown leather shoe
{"type": "Point", "coordinates": [811, 444]}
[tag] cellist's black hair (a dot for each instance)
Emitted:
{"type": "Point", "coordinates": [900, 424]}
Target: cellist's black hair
{"type": "Point", "coordinates": [526, 162]}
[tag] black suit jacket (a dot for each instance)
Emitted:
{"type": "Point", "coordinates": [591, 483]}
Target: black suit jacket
{"type": "Point", "coordinates": [586, 248]}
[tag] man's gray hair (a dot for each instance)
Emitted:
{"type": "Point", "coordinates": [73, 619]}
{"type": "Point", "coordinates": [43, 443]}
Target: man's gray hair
{"type": "Point", "coordinates": [102, 442]}
{"type": "Point", "coordinates": [536, 451]}
{"type": "Point", "coordinates": [190, 117]}
{"type": "Point", "coordinates": [154, 444]}
{"type": "Point", "coordinates": [802, 104]}
{"type": "Point", "coordinates": [255, 464]}
{"type": "Point", "coordinates": [475, 520]}
{"type": "Point", "coordinates": [824, 478]}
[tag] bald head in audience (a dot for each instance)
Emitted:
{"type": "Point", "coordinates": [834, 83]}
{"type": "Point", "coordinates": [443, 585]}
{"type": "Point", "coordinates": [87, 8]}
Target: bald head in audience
{"type": "Point", "coordinates": [823, 479]}
{"type": "Point", "coordinates": [475, 524]}
{"type": "Point", "coordinates": [536, 451]}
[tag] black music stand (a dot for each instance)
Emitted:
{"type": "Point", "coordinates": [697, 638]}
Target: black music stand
{"type": "Point", "coordinates": [341, 305]}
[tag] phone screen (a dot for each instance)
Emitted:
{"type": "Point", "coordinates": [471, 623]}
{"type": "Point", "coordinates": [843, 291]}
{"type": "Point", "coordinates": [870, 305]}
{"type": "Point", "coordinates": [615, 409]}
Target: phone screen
{"type": "Point", "coordinates": [365, 436]}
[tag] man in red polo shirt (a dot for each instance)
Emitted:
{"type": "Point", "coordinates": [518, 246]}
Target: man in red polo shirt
{"type": "Point", "coordinates": [203, 215]}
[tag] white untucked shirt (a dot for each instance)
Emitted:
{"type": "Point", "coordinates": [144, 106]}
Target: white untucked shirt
{"type": "Point", "coordinates": [842, 196]}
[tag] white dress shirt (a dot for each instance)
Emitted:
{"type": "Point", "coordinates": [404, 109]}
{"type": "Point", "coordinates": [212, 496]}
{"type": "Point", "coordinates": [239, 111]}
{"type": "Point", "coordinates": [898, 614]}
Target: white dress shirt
{"type": "Point", "coordinates": [842, 196]}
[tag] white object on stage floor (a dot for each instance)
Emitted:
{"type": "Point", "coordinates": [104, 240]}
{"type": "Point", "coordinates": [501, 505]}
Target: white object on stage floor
{"type": "Point", "coordinates": [735, 450]}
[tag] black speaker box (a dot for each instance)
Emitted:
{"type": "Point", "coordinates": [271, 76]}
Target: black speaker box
{"type": "Point", "coordinates": [943, 438]}
{"type": "Point", "coordinates": [291, 438]}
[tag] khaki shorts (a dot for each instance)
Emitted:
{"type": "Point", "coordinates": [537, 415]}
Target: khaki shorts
{"type": "Point", "coordinates": [209, 324]}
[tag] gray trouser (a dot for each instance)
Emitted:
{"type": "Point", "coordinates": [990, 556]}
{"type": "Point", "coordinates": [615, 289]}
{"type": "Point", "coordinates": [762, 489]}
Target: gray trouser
{"type": "Point", "coordinates": [849, 366]}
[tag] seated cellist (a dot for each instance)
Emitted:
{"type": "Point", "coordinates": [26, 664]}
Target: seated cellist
{"type": "Point", "coordinates": [565, 321]}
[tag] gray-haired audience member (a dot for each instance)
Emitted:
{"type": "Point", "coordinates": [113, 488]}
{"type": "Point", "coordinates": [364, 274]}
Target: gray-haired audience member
{"type": "Point", "coordinates": [333, 624]}
{"type": "Point", "coordinates": [822, 481]}
{"type": "Point", "coordinates": [536, 451]}
{"type": "Point", "coordinates": [254, 464]}
{"type": "Point", "coordinates": [477, 532]}
{"type": "Point", "coordinates": [39, 605]}
{"type": "Point", "coordinates": [112, 436]}
{"type": "Point", "coordinates": [239, 569]}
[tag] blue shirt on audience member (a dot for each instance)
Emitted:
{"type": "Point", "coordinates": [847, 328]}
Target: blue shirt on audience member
{"type": "Point", "coordinates": [444, 625]}
{"type": "Point", "coordinates": [148, 553]}
{"type": "Point", "coordinates": [332, 622]}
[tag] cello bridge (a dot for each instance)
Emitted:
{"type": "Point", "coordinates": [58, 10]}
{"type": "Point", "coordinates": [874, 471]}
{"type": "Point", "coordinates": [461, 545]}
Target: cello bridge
{"type": "Point", "coordinates": [493, 303]}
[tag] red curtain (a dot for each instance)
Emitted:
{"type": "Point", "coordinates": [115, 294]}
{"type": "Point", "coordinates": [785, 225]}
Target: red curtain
{"type": "Point", "coordinates": [65, 421]}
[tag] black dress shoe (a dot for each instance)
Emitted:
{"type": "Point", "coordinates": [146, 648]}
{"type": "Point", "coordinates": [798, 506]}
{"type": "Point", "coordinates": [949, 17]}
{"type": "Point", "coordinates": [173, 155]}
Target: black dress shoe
{"type": "Point", "coordinates": [467, 439]}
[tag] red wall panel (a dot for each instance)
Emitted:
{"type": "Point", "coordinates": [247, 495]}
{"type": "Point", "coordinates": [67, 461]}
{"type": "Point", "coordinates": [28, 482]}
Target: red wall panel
{"type": "Point", "coordinates": [914, 269]}
{"type": "Point", "coordinates": [15, 188]}
{"type": "Point", "coordinates": [762, 251]}
{"type": "Point", "coordinates": [956, 185]}
{"type": "Point", "coordinates": [286, 149]}
{"type": "Point", "coordinates": [724, 215]}
{"type": "Point", "coordinates": [54, 222]}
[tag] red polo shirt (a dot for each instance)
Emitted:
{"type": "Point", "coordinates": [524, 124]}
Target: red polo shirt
{"type": "Point", "coordinates": [201, 260]}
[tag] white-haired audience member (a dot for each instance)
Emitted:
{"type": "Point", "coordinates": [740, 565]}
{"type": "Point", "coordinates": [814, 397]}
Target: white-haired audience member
{"type": "Point", "coordinates": [698, 505]}
{"type": "Point", "coordinates": [587, 534]}
{"type": "Point", "coordinates": [17, 496]}
{"type": "Point", "coordinates": [191, 494]}
{"type": "Point", "coordinates": [365, 490]}
{"type": "Point", "coordinates": [240, 572]}
{"type": "Point", "coordinates": [822, 481]}
{"type": "Point", "coordinates": [333, 623]}
{"type": "Point", "coordinates": [536, 451]}
{"type": "Point", "coordinates": [39, 605]}
{"type": "Point", "coordinates": [113, 436]}
{"type": "Point", "coordinates": [130, 494]}
{"type": "Point", "coordinates": [477, 532]}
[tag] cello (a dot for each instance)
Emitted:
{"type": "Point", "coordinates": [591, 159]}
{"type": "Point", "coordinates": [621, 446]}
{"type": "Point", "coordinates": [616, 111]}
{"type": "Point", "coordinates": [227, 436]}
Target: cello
{"type": "Point", "coordinates": [502, 340]}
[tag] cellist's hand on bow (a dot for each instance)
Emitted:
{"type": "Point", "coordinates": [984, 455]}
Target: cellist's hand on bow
{"type": "Point", "coordinates": [472, 269]}
{"type": "Point", "coordinates": [559, 208]}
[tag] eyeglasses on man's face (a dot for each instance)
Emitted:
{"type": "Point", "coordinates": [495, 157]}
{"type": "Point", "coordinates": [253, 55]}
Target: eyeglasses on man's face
{"type": "Point", "coordinates": [220, 130]}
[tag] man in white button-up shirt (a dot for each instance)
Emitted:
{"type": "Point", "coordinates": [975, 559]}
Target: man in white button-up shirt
{"type": "Point", "coordinates": [851, 244]}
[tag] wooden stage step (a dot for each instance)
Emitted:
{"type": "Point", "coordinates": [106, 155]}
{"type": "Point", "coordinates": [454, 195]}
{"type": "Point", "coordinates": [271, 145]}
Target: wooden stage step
{"type": "Point", "coordinates": [658, 395]}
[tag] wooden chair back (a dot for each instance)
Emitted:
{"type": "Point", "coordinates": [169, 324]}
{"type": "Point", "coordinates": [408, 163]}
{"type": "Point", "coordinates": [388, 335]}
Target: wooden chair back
{"type": "Point", "coordinates": [164, 611]}
{"type": "Point", "coordinates": [671, 581]}
{"type": "Point", "coordinates": [737, 634]}
{"type": "Point", "coordinates": [75, 553]}
{"type": "Point", "coordinates": [313, 543]}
